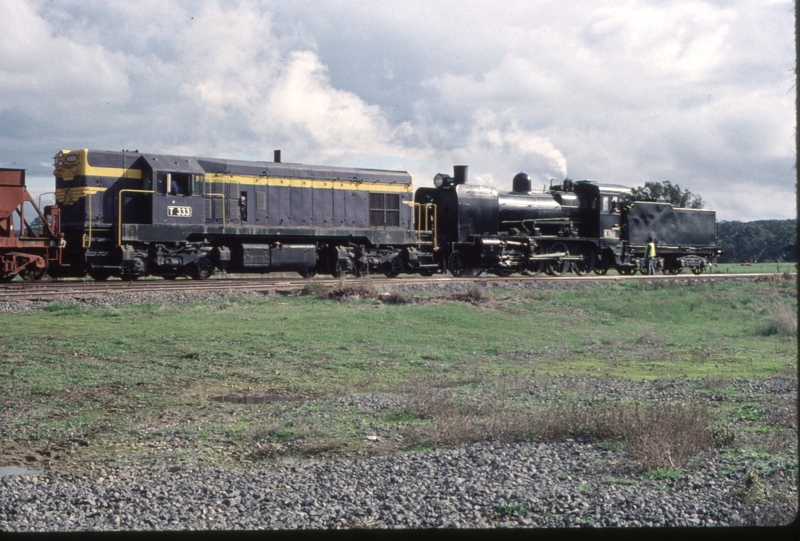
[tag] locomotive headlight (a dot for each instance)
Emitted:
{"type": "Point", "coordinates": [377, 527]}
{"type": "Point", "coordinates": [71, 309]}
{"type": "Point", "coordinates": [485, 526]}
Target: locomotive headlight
{"type": "Point", "coordinates": [442, 180]}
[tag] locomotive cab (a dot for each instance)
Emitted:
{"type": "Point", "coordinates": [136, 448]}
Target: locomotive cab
{"type": "Point", "coordinates": [177, 187]}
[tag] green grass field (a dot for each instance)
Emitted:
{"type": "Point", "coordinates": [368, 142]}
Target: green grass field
{"type": "Point", "coordinates": [83, 383]}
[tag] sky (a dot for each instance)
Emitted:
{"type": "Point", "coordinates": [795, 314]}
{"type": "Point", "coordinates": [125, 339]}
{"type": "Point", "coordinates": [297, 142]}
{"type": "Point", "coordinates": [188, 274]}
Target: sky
{"type": "Point", "coordinates": [700, 93]}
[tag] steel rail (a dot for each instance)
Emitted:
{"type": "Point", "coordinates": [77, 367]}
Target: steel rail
{"type": "Point", "coordinates": [23, 291]}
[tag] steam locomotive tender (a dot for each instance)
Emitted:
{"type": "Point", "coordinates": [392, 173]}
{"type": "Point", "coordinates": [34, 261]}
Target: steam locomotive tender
{"type": "Point", "coordinates": [132, 214]}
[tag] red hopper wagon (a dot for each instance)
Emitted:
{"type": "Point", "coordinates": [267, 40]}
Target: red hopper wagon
{"type": "Point", "coordinates": [27, 249]}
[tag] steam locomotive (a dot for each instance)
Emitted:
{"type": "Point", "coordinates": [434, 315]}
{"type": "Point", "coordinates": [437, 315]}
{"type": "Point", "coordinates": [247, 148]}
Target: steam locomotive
{"type": "Point", "coordinates": [130, 214]}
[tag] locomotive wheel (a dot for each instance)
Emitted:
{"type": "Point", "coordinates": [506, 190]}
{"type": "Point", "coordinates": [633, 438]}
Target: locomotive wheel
{"type": "Point", "coordinates": [697, 270]}
{"type": "Point", "coordinates": [558, 268]}
{"type": "Point", "coordinates": [202, 269]}
{"type": "Point", "coordinates": [503, 273]}
{"type": "Point", "coordinates": [586, 265]}
{"type": "Point", "coordinates": [7, 277]}
{"type": "Point", "coordinates": [600, 271]}
{"type": "Point", "coordinates": [458, 264]}
{"type": "Point", "coordinates": [307, 273]}
{"type": "Point", "coordinates": [426, 273]}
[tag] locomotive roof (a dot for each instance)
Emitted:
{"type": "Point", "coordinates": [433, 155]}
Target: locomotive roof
{"type": "Point", "coordinates": [320, 172]}
{"type": "Point", "coordinates": [135, 159]}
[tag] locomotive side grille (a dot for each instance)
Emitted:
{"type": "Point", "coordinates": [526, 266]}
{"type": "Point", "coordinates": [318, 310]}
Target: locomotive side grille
{"type": "Point", "coordinates": [384, 209]}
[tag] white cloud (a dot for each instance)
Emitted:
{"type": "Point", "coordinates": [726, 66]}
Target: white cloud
{"type": "Point", "coordinates": [699, 93]}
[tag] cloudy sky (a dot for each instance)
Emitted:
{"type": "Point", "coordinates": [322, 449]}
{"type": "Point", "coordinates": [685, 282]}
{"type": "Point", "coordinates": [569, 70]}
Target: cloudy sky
{"type": "Point", "coordinates": [700, 93]}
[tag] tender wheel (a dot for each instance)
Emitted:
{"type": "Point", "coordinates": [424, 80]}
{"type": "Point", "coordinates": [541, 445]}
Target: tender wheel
{"type": "Point", "coordinates": [558, 268]}
{"type": "Point", "coordinates": [202, 269]}
{"type": "Point", "coordinates": [586, 265]}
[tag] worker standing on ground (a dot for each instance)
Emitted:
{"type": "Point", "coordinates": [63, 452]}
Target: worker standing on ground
{"type": "Point", "coordinates": [650, 255]}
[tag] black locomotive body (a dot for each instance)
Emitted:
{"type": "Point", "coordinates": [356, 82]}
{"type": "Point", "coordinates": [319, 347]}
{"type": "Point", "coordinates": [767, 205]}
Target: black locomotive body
{"type": "Point", "coordinates": [131, 214]}
{"type": "Point", "coordinates": [581, 226]}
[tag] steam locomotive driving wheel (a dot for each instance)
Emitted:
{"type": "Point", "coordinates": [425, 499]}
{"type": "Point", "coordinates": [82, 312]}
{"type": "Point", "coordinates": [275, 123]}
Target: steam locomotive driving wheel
{"type": "Point", "coordinates": [558, 268]}
{"type": "Point", "coordinates": [586, 264]}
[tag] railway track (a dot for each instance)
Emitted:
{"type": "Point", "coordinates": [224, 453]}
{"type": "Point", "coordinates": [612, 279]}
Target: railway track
{"type": "Point", "coordinates": [51, 290]}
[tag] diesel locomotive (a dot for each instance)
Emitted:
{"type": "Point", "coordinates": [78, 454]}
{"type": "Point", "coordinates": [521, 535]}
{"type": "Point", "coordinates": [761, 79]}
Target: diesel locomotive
{"type": "Point", "coordinates": [130, 214]}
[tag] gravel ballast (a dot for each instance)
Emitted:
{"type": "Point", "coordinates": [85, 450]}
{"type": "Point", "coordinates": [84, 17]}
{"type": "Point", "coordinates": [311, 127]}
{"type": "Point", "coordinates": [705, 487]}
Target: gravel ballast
{"type": "Point", "coordinates": [484, 485]}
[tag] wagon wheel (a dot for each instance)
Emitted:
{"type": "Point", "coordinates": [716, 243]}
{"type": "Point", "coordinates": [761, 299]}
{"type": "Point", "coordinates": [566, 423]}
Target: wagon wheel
{"type": "Point", "coordinates": [100, 275]}
{"type": "Point", "coordinates": [458, 264]}
{"type": "Point", "coordinates": [558, 268]}
{"type": "Point", "coordinates": [585, 265]}
{"type": "Point", "coordinates": [32, 274]}
{"type": "Point", "coordinates": [202, 269]}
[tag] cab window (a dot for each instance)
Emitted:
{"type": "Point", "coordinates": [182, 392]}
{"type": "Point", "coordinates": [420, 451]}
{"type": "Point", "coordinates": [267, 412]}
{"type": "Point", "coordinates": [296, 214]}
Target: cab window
{"type": "Point", "coordinates": [176, 183]}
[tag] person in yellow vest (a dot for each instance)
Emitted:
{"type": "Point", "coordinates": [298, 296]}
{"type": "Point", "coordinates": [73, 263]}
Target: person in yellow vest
{"type": "Point", "coordinates": [650, 255]}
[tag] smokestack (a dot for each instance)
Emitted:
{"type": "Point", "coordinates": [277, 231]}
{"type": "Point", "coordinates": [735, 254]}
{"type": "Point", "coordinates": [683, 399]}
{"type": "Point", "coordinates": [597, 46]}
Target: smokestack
{"type": "Point", "coordinates": [460, 174]}
{"type": "Point", "coordinates": [277, 158]}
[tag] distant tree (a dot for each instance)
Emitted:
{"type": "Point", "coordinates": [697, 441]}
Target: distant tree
{"type": "Point", "coordinates": [669, 192]}
{"type": "Point", "coordinates": [763, 240]}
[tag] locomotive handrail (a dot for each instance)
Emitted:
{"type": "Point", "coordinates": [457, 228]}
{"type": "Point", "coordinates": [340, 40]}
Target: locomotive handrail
{"type": "Point", "coordinates": [89, 197]}
{"type": "Point", "coordinates": [223, 206]}
{"type": "Point", "coordinates": [119, 213]}
{"type": "Point", "coordinates": [427, 207]}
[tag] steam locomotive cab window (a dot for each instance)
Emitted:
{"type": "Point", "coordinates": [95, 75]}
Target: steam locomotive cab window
{"type": "Point", "coordinates": [384, 209]}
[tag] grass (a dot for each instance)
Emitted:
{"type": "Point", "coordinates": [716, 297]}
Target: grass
{"type": "Point", "coordinates": [86, 383]}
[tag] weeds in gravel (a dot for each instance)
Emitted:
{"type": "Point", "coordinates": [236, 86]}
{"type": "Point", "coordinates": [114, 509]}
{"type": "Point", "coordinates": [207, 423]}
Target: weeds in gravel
{"type": "Point", "coordinates": [655, 436]}
{"type": "Point", "coordinates": [667, 434]}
